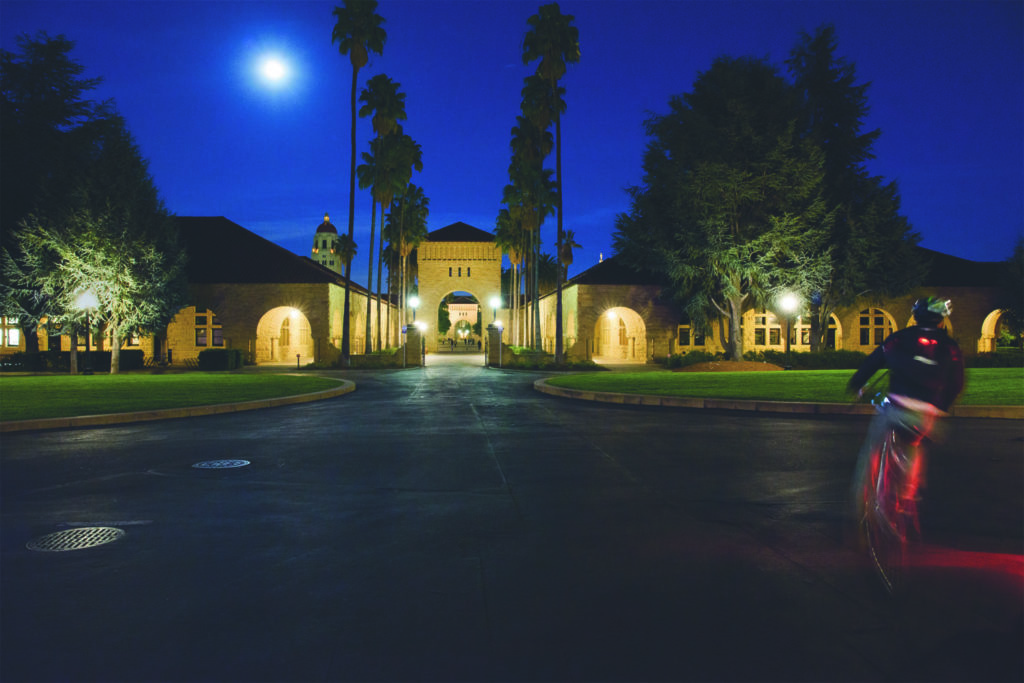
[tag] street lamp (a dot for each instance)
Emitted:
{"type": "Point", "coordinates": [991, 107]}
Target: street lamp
{"type": "Point", "coordinates": [495, 304]}
{"type": "Point", "coordinates": [414, 302]}
{"type": "Point", "coordinates": [788, 303]}
{"type": "Point", "coordinates": [86, 301]}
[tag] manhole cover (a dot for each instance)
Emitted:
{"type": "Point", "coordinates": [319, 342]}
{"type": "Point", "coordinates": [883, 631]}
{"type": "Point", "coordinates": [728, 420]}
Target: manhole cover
{"type": "Point", "coordinates": [76, 539]}
{"type": "Point", "coordinates": [220, 464]}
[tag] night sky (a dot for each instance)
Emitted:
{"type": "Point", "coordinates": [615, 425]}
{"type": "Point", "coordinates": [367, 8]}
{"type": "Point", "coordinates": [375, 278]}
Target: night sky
{"type": "Point", "coordinates": [946, 91]}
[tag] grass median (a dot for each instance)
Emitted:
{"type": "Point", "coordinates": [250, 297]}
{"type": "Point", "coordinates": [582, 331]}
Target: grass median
{"type": "Point", "coordinates": [984, 386]}
{"type": "Point", "coordinates": [39, 397]}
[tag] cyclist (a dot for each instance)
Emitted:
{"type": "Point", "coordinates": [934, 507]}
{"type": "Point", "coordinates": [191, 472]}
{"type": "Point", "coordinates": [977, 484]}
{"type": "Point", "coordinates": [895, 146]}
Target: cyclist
{"type": "Point", "coordinates": [926, 374]}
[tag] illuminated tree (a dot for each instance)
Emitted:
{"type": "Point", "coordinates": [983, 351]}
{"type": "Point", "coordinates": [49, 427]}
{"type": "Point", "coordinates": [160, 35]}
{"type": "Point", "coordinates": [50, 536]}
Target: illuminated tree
{"type": "Point", "coordinates": [358, 33]}
{"type": "Point", "coordinates": [731, 196]}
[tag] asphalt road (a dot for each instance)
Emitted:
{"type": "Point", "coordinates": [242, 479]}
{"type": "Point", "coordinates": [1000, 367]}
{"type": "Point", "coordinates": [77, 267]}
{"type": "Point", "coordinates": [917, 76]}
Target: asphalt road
{"type": "Point", "coordinates": [449, 523]}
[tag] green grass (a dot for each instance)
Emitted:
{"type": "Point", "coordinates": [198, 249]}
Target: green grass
{"type": "Point", "coordinates": [984, 386]}
{"type": "Point", "coordinates": [35, 397]}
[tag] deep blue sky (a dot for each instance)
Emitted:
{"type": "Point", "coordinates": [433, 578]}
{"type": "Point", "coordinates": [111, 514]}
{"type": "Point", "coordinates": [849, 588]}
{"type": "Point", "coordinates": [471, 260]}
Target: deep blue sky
{"type": "Point", "coordinates": [946, 91]}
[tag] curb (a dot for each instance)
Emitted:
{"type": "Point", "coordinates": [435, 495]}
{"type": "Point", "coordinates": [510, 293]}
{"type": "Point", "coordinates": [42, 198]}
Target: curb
{"type": "Point", "coordinates": [759, 406]}
{"type": "Point", "coordinates": [345, 387]}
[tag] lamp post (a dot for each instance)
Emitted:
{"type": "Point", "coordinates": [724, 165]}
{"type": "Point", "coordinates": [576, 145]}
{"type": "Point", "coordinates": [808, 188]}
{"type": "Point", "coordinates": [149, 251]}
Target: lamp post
{"type": "Point", "coordinates": [495, 303]}
{"type": "Point", "coordinates": [87, 301]}
{"type": "Point", "coordinates": [414, 302]}
{"type": "Point", "coordinates": [788, 303]}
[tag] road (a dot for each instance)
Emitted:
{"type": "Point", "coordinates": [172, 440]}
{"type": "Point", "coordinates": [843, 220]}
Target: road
{"type": "Point", "coordinates": [449, 523]}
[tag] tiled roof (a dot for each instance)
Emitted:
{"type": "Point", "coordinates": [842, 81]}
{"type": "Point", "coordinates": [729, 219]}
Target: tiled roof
{"type": "Point", "coordinates": [221, 251]}
{"type": "Point", "coordinates": [460, 232]}
{"type": "Point", "coordinates": [944, 270]}
{"type": "Point", "coordinates": [612, 271]}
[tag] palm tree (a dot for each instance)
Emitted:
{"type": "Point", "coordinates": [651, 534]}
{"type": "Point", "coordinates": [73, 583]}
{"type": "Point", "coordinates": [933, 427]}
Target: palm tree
{"type": "Point", "coordinates": [346, 252]}
{"type": "Point", "coordinates": [556, 42]}
{"type": "Point", "coordinates": [386, 105]}
{"type": "Point", "coordinates": [530, 199]}
{"type": "Point", "coordinates": [358, 33]}
{"type": "Point", "coordinates": [406, 228]}
{"type": "Point", "coordinates": [509, 237]}
{"type": "Point", "coordinates": [565, 251]}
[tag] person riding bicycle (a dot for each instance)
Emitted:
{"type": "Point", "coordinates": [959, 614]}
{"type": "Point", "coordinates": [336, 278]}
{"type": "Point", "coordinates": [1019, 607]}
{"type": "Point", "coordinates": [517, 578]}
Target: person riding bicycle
{"type": "Point", "coordinates": [926, 374]}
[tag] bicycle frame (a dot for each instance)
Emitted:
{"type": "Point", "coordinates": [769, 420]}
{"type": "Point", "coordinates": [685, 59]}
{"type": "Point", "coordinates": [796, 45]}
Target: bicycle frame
{"type": "Point", "coordinates": [887, 515]}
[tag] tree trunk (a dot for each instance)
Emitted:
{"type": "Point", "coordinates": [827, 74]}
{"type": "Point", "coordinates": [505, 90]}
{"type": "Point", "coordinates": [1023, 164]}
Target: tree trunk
{"type": "Point", "coordinates": [380, 270]}
{"type": "Point", "coordinates": [346, 353]}
{"type": "Point", "coordinates": [115, 351]}
{"type": "Point", "coordinates": [735, 316]}
{"type": "Point", "coordinates": [369, 277]}
{"type": "Point", "coordinates": [558, 238]}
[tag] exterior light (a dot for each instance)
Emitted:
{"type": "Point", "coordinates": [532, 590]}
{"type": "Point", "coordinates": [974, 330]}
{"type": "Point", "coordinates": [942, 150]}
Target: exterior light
{"type": "Point", "coordinates": [414, 301]}
{"type": "Point", "coordinates": [789, 302]}
{"type": "Point", "coordinates": [498, 324]}
{"type": "Point", "coordinates": [86, 301]}
{"type": "Point", "coordinates": [611, 315]}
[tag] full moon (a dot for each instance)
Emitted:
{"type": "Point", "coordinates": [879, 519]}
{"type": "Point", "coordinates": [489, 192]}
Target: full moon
{"type": "Point", "coordinates": [273, 69]}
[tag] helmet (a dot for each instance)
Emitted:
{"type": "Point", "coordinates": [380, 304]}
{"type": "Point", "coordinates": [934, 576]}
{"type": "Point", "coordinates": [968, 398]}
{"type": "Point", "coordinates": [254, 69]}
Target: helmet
{"type": "Point", "coordinates": [932, 309]}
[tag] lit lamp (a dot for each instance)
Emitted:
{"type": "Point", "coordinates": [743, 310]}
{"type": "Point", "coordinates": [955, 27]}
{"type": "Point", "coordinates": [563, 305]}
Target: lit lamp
{"type": "Point", "coordinates": [414, 302]}
{"type": "Point", "coordinates": [87, 301]}
{"type": "Point", "coordinates": [495, 303]}
{"type": "Point", "coordinates": [788, 303]}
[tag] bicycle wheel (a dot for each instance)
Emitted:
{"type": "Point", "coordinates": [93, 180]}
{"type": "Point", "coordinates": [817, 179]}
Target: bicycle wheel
{"type": "Point", "coordinates": [884, 522]}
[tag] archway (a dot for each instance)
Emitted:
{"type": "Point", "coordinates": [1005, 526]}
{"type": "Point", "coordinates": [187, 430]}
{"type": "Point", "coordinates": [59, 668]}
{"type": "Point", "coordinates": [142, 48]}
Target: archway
{"type": "Point", "coordinates": [282, 334]}
{"type": "Point", "coordinates": [458, 323]}
{"type": "Point", "coordinates": [620, 336]}
{"type": "Point", "coordinates": [994, 332]}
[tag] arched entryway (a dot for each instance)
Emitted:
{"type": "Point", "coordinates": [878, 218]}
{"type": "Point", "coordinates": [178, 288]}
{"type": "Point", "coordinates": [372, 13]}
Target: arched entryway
{"type": "Point", "coordinates": [283, 334]}
{"type": "Point", "coordinates": [620, 336]}
{"type": "Point", "coordinates": [457, 324]}
{"type": "Point", "coordinates": [996, 333]}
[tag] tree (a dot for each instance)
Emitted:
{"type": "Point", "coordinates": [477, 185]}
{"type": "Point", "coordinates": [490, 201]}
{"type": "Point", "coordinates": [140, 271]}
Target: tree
{"type": "Point", "coordinates": [358, 33]}
{"type": "Point", "coordinates": [406, 228]}
{"type": "Point", "coordinates": [565, 251]}
{"type": "Point", "coordinates": [139, 286]}
{"type": "Point", "coordinates": [386, 104]}
{"type": "Point", "coordinates": [731, 193]}
{"type": "Point", "coordinates": [555, 42]}
{"type": "Point", "coordinates": [512, 240]}
{"type": "Point", "coordinates": [1012, 282]}
{"type": "Point", "coordinates": [43, 111]}
{"type": "Point", "coordinates": [872, 244]}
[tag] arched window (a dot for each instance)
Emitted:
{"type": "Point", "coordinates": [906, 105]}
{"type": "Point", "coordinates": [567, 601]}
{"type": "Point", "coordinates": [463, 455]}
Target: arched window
{"type": "Point", "coordinates": [875, 326]}
{"type": "Point", "coordinates": [286, 332]}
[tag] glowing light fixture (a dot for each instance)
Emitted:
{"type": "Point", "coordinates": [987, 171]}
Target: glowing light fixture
{"type": "Point", "coordinates": [274, 70]}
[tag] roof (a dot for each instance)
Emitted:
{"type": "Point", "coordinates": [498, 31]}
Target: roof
{"type": "Point", "coordinates": [327, 226]}
{"type": "Point", "coordinates": [612, 271]}
{"type": "Point", "coordinates": [460, 232]}
{"type": "Point", "coordinates": [943, 270]}
{"type": "Point", "coordinates": [221, 251]}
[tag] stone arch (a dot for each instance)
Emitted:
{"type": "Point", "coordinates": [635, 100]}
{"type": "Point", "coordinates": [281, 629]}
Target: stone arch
{"type": "Point", "coordinates": [990, 331]}
{"type": "Point", "coordinates": [430, 310]}
{"type": "Point", "coordinates": [281, 334]}
{"type": "Point", "coordinates": [620, 336]}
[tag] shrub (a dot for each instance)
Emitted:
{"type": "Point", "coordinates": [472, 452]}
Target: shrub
{"type": "Point", "coordinates": [221, 359]}
{"type": "Point", "coordinates": [822, 360]}
{"type": "Point", "coordinates": [999, 359]}
{"type": "Point", "coordinates": [692, 358]}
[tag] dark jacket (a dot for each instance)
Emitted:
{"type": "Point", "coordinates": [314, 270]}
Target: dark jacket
{"type": "Point", "coordinates": [924, 363]}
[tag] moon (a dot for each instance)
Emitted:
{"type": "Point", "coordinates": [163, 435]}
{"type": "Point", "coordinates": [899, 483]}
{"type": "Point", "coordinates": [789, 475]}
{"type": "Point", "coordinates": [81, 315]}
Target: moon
{"type": "Point", "coordinates": [273, 69]}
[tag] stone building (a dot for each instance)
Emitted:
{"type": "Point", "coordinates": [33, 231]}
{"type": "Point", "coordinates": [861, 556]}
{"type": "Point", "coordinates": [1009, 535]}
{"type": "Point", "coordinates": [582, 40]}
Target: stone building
{"type": "Point", "coordinates": [611, 314]}
{"type": "Point", "coordinates": [248, 293]}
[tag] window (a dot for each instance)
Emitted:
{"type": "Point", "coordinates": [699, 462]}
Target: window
{"type": "Point", "coordinates": [467, 271]}
{"type": "Point", "coordinates": [690, 337]}
{"type": "Point", "coordinates": [460, 271]}
{"type": "Point", "coordinates": [286, 332]}
{"type": "Point", "coordinates": [449, 272]}
{"type": "Point", "coordinates": [874, 327]}
{"type": "Point", "coordinates": [11, 331]}
{"type": "Point", "coordinates": [767, 329]}
{"type": "Point", "coordinates": [208, 327]}
{"type": "Point", "coordinates": [622, 332]}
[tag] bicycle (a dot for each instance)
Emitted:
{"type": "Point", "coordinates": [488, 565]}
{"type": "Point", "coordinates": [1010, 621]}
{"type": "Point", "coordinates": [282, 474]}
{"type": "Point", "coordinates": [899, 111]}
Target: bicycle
{"type": "Point", "coordinates": [888, 515]}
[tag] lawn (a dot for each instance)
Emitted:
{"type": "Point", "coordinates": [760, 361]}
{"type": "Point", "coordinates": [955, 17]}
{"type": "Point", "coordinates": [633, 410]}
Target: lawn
{"type": "Point", "coordinates": [34, 397]}
{"type": "Point", "coordinates": [984, 386]}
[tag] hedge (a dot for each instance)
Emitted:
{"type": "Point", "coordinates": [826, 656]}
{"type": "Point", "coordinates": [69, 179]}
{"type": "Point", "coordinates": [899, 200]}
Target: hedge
{"type": "Point", "coordinates": [60, 361]}
{"type": "Point", "coordinates": [221, 359]}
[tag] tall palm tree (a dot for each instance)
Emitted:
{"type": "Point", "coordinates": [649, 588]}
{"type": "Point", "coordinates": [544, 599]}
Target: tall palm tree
{"type": "Point", "coordinates": [358, 32]}
{"type": "Point", "coordinates": [385, 104]}
{"type": "Point", "coordinates": [556, 42]}
{"type": "Point", "coordinates": [406, 228]}
{"type": "Point", "coordinates": [508, 236]}
{"type": "Point", "coordinates": [565, 251]}
{"type": "Point", "coordinates": [530, 199]}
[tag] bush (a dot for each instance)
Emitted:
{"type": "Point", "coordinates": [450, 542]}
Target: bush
{"type": "Point", "coordinates": [999, 359]}
{"type": "Point", "coordinates": [822, 360]}
{"type": "Point", "coordinates": [221, 359]}
{"type": "Point", "coordinates": [692, 358]}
